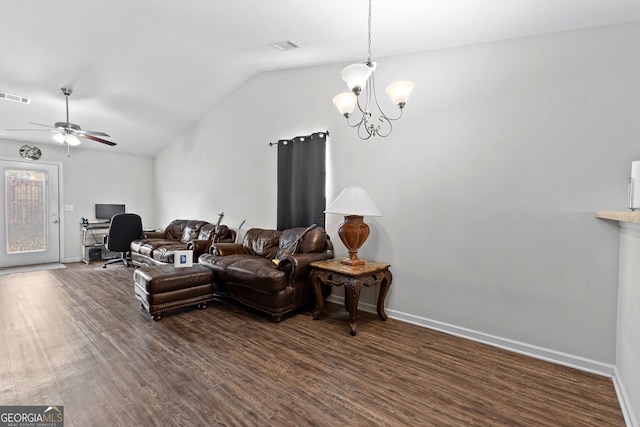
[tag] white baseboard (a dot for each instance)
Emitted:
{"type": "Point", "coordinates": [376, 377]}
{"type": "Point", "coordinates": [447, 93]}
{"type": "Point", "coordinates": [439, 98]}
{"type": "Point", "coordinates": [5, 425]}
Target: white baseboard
{"type": "Point", "coordinates": [623, 398]}
{"type": "Point", "coordinates": [553, 356]}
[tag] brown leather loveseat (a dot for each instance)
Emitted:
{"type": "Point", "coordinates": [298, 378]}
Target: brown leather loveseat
{"type": "Point", "coordinates": [158, 247]}
{"type": "Point", "coordinates": [247, 272]}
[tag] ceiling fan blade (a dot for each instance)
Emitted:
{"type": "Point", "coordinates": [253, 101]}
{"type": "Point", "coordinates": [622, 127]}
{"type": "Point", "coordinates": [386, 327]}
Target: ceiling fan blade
{"type": "Point", "coordinates": [104, 141]}
{"type": "Point", "coordinates": [32, 130]}
{"type": "Point", "coordinates": [40, 124]}
{"type": "Point", "coordinates": [92, 132]}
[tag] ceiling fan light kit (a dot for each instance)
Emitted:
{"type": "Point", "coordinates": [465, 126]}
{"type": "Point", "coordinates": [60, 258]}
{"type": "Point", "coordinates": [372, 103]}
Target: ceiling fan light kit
{"type": "Point", "coordinates": [63, 138]}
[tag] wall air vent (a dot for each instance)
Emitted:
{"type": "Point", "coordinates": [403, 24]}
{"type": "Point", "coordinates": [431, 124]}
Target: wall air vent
{"type": "Point", "coordinates": [284, 45]}
{"type": "Point", "coordinates": [16, 98]}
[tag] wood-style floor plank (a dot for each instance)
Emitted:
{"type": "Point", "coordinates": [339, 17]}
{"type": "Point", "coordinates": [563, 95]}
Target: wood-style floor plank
{"type": "Point", "coordinates": [77, 337]}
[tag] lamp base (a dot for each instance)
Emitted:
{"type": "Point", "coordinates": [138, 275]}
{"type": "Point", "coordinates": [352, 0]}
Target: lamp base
{"type": "Point", "coordinates": [349, 261]}
{"type": "Point", "coordinates": [353, 233]}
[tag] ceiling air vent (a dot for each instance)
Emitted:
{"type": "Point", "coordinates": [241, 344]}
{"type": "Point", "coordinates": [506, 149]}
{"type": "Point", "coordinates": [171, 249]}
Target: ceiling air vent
{"type": "Point", "coordinates": [16, 98]}
{"type": "Point", "coordinates": [284, 45]}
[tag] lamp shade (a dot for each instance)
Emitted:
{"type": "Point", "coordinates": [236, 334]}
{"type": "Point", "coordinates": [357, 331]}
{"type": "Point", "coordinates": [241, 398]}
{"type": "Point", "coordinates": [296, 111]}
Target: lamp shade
{"type": "Point", "coordinates": [66, 137]}
{"type": "Point", "coordinates": [356, 76]}
{"type": "Point", "coordinates": [72, 140]}
{"type": "Point", "coordinates": [353, 201]}
{"type": "Point", "coordinates": [345, 102]}
{"type": "Point", "coordinates": [400, 91]}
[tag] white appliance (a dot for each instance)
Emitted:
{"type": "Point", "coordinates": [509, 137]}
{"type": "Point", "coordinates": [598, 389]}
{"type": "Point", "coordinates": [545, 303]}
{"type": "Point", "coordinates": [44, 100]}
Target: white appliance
{"type": "Point", "coordinates": [634, 186]}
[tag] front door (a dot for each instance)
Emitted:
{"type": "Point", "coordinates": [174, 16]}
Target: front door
{"type": "Point", "coordinates": [29, 213]}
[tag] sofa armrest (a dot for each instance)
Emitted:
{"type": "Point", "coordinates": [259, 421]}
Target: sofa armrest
{"type": "Point", "coordinates": [199, 247]}
{"type": "Point", "coordinates": [297, 265]}
{"type": "Point", "coordinates": [153, 234]}
{"type": "Point", "coordinates": [222, 249]}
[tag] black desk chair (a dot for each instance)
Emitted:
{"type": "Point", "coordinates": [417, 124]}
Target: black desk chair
{"type": "Point", "coordinates": [124, 228]}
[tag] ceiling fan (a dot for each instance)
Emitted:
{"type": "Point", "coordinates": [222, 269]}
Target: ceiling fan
{"type": "Point", "coordinates": [67, 132]}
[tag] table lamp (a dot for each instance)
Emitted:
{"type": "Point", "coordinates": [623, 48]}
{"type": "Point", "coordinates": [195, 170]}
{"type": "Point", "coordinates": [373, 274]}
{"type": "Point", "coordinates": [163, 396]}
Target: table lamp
{"type": "Point", "coordinates": [354, 203]}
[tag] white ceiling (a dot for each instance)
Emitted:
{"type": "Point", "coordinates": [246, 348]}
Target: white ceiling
{"type": "Point", "coordinates": [144, 71]}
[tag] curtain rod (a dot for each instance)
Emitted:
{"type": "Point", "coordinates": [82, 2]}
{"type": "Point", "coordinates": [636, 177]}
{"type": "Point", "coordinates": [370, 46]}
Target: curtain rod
{"type": "Point", "coordinates": [301, 138]}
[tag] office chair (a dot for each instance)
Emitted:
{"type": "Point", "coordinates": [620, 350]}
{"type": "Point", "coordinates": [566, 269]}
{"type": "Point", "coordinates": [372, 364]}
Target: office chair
{"type": "Point", "coordinates": [124, 228]}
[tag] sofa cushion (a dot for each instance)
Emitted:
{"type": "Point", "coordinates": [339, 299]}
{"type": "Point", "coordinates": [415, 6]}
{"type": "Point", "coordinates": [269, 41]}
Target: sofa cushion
{"type": "Point", "coordinates": [191, 230]}
{"type": "Point", "coordinates": [257, 272]}
{"type": "Point", "coordinates": [148, 246]}
{"type": "Point", "coordinates": [219, 264]}
{"type": "Point", "coordinates": [313, 240]}
{"type": "Point", "coordinates": [136, 245]}
{"type": "Point", "coordinates": [166, 253]}
{"type": "Point", "coordinates": [175, 229]}
{"type": "Point", "coordinates": [250, 270]}
{"type": "Point", "coordinates": [208, 230]}
{"type": "Point", "coordinates": [262, 243]}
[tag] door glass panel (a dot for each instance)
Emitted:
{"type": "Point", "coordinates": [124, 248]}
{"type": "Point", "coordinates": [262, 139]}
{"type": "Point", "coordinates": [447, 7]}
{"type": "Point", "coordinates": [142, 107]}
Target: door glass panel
{"type": "Point", "coordinates": [26, 209]}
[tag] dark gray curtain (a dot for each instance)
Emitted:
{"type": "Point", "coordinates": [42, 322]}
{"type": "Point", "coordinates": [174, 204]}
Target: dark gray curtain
{"type": "Point", "coordinates": [301, 181]}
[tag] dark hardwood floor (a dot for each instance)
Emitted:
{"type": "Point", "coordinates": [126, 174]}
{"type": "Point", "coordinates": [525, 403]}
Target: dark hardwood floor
{"type": "Point", "coordinates": [77, 337]}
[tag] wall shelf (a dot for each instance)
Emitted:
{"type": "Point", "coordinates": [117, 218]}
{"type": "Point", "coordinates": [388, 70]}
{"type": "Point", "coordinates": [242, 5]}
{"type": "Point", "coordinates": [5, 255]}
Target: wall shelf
{"type": "Point", "coordinates": [619, 216]}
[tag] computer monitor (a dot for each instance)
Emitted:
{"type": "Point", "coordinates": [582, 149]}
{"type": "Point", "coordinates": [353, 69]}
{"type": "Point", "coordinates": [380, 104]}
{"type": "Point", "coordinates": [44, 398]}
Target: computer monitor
{"type": "Point", "coordinates": [106, 211]}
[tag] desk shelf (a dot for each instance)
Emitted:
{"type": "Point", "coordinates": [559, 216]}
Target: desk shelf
{"type": "Point", "coordinates": [93, 237]}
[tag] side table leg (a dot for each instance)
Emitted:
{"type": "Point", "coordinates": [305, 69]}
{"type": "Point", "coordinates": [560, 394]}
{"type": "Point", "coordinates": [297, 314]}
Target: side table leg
{"type": "Point", "coordinates": [384, 288]}
{"type": "Point", "coordinates": [353, 295]}
{"type": "Point", "coordinates": [317, 290]}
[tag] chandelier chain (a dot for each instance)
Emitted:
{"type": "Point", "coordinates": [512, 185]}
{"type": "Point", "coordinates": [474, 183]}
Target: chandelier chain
{"type": "Point", "coordinates": [369, 40]}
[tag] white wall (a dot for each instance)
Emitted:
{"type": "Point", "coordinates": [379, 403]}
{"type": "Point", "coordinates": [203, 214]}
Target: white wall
{"type": "Point", "coordinates": [628, 348]}
{"type": "Point", "coordinates": [91, 177]}
{"type": "Point", "coordinates": [487, 185]}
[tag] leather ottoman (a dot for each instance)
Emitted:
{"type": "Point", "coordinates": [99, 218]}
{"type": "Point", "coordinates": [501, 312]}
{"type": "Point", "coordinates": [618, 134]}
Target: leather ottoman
{"type": "Point", "coordinates": [160, 288]}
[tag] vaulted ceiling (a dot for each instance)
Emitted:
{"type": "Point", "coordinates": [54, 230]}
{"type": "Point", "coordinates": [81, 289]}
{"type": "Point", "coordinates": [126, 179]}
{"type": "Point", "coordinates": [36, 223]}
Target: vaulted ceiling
{"type": "Point", "coordinates": [144, 71]}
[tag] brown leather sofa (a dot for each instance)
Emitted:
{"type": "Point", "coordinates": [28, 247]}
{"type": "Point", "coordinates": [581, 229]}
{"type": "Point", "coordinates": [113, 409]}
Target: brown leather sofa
{"type": "Point", "coordinates": [158, 247]}
{"type": "Point", "coordinates": [247, 273]}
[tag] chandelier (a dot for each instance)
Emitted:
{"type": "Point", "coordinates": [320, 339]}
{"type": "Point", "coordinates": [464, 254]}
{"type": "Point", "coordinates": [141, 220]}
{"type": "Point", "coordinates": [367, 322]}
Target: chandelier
{"type": "Point", "coordinates": [360, 81]}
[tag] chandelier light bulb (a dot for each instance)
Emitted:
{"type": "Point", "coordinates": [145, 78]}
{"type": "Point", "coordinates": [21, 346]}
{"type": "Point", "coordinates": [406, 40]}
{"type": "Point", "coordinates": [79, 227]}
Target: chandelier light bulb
{"type": "Point", "coordinates": [400, 92]}
{"type": "Point", "coordinates": [346, 103]}
{"type": "Point", "coordinates": [356, 76]}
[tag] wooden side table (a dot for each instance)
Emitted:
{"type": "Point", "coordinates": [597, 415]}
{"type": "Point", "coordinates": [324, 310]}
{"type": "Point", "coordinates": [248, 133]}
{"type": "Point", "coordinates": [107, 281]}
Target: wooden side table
{"type": "Point", "coordinates": [353, 278]}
